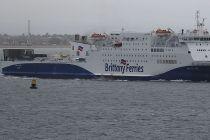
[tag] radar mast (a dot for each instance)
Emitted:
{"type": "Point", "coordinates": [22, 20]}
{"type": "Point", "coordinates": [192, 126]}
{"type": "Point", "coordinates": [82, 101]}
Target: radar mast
{"type": "Point", "coordinates": [199, 25]}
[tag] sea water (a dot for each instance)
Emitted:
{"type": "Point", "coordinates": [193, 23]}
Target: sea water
{"type": "Point", "coordinates": [103, 110]}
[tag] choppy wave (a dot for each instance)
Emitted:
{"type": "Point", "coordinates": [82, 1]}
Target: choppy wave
{"type": "Point", "coordinates": [97, 109]}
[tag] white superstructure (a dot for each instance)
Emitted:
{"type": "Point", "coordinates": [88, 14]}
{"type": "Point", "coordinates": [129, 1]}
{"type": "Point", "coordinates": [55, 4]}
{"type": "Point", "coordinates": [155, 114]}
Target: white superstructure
{"type": "Point", "coordinates": [197, 41]}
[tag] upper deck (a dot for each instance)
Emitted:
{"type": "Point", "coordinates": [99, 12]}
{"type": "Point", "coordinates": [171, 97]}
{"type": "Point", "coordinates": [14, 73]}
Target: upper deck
{"type": "Point", "coordinates": [198, 35]}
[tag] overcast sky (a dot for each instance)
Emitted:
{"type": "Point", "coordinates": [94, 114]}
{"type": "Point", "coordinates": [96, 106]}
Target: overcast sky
{"type": "Point", "coordinates": [86, 16]}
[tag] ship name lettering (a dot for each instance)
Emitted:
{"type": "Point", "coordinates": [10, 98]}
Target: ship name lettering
{"type": "Point", "coordinates": [123, 68]}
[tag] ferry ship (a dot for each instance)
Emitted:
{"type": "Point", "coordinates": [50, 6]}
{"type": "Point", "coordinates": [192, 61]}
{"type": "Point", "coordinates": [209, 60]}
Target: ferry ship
{"type": "Point", "coordinates": [159, 55]}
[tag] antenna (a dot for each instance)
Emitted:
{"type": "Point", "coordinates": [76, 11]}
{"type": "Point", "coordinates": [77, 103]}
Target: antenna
{"type": "Point", "coordinates": [200, 25]}
{"type": "Point", "coordinates": [29, 27]}
{"type": "Point", "coordinates": [197, 17]}
{"type": "Point", "coordinates": [29, 33]}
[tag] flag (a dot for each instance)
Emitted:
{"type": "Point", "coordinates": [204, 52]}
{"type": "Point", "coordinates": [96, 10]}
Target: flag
{"type": "Point", "coordinates": [80, 48]}
{"type": "Point", "coordinates": [124, 62]}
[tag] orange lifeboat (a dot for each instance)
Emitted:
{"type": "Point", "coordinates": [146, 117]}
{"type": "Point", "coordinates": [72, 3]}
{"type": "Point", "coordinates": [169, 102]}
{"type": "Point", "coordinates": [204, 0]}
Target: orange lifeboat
{"type": "Point", "coordinates": [98, 36]}
{"type": "Point", "coordinates": [162, 32]}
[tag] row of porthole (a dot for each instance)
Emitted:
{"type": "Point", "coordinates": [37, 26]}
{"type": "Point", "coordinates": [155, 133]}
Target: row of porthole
{"type": "Point", "coordinates": [131, 55]}
{"type": "Point", "coordinates": [201, 50]}
{"type": "Point", "coordinates": [107, 60]}
{"type": "Point", "coordinates": [137, 49]}
{"type": "Point", "coordinates": [157, 50]}
{"type": "Point", "coordinates": [124, 49]}
{"type": "Point", "coordinates": [131, 39]}
{"type": "Point", "coordinates": [169, 56]}
{"type": "Point", "coordinates": [166, 61]}
{"type": "Point", "coordinates": [126, 55]}
{"type": "Point", "coordinates": [169, 50]}
{"type": "Point", "coordinates": [135, 44]}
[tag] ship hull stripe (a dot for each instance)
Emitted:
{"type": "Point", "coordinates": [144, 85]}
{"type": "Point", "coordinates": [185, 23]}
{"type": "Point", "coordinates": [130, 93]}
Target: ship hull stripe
{"type": "Point", "coordinates": [63, 71]}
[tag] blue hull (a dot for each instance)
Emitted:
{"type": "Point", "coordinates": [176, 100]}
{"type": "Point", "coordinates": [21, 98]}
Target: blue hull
{"type": "Point", "coordinates": [64, 71]}
{"type": "Point", "coordinates": [47, 70]}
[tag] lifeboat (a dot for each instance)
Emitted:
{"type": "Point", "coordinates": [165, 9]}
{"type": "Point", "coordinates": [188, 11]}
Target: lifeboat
{"type": "Point", "coordinates": [98, 36]}
{"type": "Point", "coordinates": [161, 32]}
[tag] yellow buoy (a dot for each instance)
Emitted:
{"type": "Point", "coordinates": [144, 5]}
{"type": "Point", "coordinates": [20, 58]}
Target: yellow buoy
{"type": "Point", "coordinates": [33, 84]}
